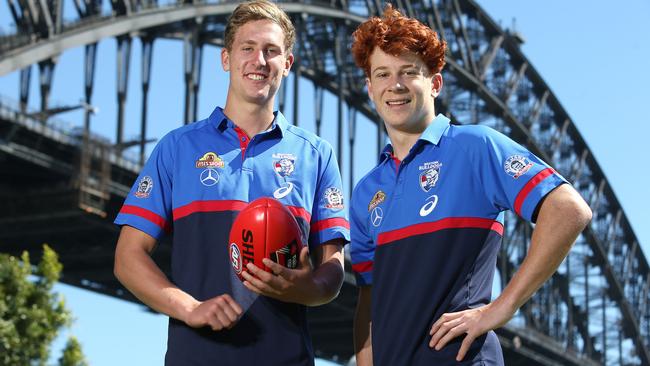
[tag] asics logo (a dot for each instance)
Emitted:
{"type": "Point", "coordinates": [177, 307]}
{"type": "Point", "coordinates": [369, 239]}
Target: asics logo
{"type": "Point", "coordinates": [428, 207]}
{"type": "Point", "coordinates": [283, 191]}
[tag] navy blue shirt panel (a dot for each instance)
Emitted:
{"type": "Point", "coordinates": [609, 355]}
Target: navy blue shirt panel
{"type": "Point", "coordinates": [426, 234]}
{"type": "Point", "coordinates": [195, 182]}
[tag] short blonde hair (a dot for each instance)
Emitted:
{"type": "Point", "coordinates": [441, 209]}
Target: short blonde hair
{"type": "Point", "coordinates": [259, 10]}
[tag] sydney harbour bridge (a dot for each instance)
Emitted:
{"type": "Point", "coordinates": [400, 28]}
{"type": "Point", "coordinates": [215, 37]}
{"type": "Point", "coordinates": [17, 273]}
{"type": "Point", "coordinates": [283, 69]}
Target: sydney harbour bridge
{"type": "Point", "coordinates": [64, 186]}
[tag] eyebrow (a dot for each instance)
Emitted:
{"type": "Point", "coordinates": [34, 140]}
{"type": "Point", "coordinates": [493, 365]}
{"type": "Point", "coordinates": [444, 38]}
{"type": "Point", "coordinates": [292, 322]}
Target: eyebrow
{"type": "Point", "coordinates": [253, 42]}
{"type": "Point", "coordinates": [401, 67]}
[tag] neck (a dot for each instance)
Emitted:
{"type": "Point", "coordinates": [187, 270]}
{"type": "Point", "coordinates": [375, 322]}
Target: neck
{"type": "Point", "coordinates": [402, 142]}
{"type": "Point", "coordinates": [250, 117]}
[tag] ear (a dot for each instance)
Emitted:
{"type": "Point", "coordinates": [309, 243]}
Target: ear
{"type": "Point", "coordinates": [369, 87]}
{"type": "Point", "coordinates": [436, 85]}
{"type": "Point", "coordinates": [225, 59]}
{"type": "Point", "coordinates": [287, 65]}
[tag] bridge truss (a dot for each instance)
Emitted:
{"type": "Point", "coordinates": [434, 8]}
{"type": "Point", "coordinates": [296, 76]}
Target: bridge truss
{"type": "Point", "coordinates": [594, 310]}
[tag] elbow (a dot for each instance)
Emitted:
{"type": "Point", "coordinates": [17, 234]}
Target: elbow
{"type": "Point", "coordinates": [582, 213]}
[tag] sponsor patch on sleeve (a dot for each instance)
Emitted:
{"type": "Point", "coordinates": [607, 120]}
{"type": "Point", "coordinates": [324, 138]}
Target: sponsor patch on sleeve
{"type": "Point", "coordinates": [517, 165]}
{"type": "Point", "coordinates": [144, 187]}
{"type": "Point", "coordinates": [333, 198]}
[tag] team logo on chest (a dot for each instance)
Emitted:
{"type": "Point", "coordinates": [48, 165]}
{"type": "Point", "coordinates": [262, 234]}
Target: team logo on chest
{"type": "Point", "coordinates": [333, 198]}
{"type": "Point", "coordinates": [517, 165]}
{"type": "Point", "coordinates": [284, 164]}
{"type": "Point", "coordinates": [430, 175]}
{"type": "Point", "coordinates": [144, 187]}
{"type": "Point", "coordinates": [376, 200]}
{"type": "Point", "coordinates": [210, 160]}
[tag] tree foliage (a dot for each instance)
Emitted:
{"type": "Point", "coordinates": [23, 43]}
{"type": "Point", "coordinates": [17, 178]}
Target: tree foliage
{"type": "Point", "coordinates": [31, 314]}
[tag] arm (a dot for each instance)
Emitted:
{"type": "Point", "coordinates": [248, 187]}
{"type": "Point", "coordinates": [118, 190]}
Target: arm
{"type": "Point", "coordinates": [562, 216]}
{"type": "Point", "coordinates": [135, 269]}
{"type": "Point", "coordinates": [362, 327]}
{"type": "Point", "coordinates": [304, 285]}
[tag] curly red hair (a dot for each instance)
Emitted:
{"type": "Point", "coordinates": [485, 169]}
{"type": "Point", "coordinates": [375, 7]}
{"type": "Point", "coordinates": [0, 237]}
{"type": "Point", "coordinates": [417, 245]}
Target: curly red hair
{"type": "Point", "coordinates": [396, 34]}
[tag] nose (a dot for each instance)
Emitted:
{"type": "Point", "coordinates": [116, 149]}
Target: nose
{"type": "Point", "coordinates": [397, 85]}
{"type": "Point", "coordinates": [260, 58]}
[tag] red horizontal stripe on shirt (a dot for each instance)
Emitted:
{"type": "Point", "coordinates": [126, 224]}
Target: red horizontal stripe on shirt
{"type": "Point", "coordinates": [208, 206]}
{"type": "Point", "coordinates": [362, 267]}
{"type": "Point", "coordinates": [147, 215]}
{"type": "Point", "coordinates": [448, 223]}
{"type": "Point", "coordinates": [300, 212]}
{"type": "Point", "coordinates": [328, 223]}
{"type": "Point", "coordinates": [534, 181]}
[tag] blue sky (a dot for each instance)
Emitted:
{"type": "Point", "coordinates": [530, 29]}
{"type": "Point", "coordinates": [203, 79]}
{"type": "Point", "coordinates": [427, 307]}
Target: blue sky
{"type": "Point", "coordinates": [592, 54]}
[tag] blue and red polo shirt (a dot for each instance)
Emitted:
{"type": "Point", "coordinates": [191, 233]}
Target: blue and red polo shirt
{"type": "Point", "coordinates": [195, 182]}
{"type": "Point", "coordinates": [426, 232]}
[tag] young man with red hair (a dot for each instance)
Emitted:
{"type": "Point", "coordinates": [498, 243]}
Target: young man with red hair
{"type": "Point", "coordinates": [427, 222]}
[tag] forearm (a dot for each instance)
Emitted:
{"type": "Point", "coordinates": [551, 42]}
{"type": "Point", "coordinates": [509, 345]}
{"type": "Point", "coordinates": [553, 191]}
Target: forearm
{"type": "Point", "coordinates": [137, 271]}
{"type": "Point", "coordinates": [362, 328]}
{"type": "Point", "coordinates": [561, 219]}
{"type": "Point", "coordinates": [328, 279]}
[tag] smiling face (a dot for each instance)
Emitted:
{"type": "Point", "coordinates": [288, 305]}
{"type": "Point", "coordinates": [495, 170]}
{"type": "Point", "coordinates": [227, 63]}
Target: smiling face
{"type": "Point", "coordinates": [257, 62]}
{"type": "Point", "coordinates": [403, 90]}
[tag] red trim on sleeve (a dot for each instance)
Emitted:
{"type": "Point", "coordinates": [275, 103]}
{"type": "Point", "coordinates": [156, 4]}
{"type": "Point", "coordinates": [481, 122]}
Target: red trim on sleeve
{"type": "Point", "coordinates": [328, 223]}
{"type": "Point", "coordinates": [208, 206]}
{"type": "Point", "coordinates": [534, 181]}
{"type": "Point", "coordinates": [147, 215]}
{"type": "Point", "coordinates": [448, 223]}
{"type": "Point", "coordinates": [300, 212]}
{"type": "Point", "coordinates": [362, 267]}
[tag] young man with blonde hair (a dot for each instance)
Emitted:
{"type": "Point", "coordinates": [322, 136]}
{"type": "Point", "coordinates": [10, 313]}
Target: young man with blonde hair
{"type": "Point", "coordinates": [427, 222]}
{"type": "Point", "coordinates": [199, 177]}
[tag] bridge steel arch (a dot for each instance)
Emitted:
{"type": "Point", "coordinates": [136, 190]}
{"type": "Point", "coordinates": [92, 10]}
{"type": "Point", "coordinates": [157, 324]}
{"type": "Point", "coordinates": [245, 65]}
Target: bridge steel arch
{"type": "Point", "coordinates": [594, 310]}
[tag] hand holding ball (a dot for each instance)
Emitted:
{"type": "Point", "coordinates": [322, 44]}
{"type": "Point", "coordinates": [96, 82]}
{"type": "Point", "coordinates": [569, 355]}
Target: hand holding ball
{"type": "Point", "coordinates": [264, 229]}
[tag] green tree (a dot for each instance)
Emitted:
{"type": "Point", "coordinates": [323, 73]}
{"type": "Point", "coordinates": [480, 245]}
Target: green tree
{"type": "Point", "coordinates": [31, 314]}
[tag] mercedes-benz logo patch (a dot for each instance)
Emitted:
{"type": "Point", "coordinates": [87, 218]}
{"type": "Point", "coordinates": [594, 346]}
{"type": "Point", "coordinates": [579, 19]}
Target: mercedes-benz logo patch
{"type": "Point", "coordinates": [376, 216]}
{"type": "Point", "coordinates": [209, 177]}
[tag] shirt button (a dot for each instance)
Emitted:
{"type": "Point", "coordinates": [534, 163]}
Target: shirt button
{"type": "Point", "coordinates": [243, 139]}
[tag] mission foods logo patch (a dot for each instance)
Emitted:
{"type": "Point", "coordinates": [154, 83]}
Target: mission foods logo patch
{"type": "Point", "coordinates": [333, 198]}
{"type": "Point", "coordinates": [144, 187]}
{"type": "Point", "coordinates": [376, 200]}
{"type": "Point", "coordinates": [210, 160]}
{"type": "Point", "coordinates": [517, 165]}
{"type": "Point", "coordinates": [429, 177]}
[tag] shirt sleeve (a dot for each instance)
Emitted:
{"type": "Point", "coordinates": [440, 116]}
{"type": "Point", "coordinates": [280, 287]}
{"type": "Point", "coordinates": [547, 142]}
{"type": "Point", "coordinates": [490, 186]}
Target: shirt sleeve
{"type": "Point", "coordinates": [512, 177]}
{"type": "Point", "coordinates": [362, 248]}
{"type": "Point", "coordinates": [148, 205]}
{"type": "Point", "coordinates": [329, 220]}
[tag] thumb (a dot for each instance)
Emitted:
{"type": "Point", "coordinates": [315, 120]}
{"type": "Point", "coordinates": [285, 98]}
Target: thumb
{"type": "Point", "coordinates": [304, 257]}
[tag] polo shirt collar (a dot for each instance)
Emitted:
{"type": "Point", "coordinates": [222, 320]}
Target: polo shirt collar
{"type": "Point", "coordinates": [433, 133]}
{"type": "Point", "coordinates": [222, 122]}
{"type": "Point", "coordinates": [436, 129]}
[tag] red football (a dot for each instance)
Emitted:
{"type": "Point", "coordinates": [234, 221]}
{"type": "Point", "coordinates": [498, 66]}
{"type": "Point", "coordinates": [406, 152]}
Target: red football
{"type": "Point", "coordinates": [264, 229]}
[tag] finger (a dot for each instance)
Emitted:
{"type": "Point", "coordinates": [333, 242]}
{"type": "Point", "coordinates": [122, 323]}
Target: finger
{"type": "Point", "coordinates": [249, 286]}
{"type": "Point", "coordinates": [443, 328]}
{"type": "Point", "coordinates": [233, 304]}
{"type": "Point", "coordinates": [451, 334]}
{"type": "Point", "coordinates": [443, 319]}
{"type": "Point", "coordinates": [255, 281]}
{"type": "Point", "coordinates": [464, 347]}
{"type": "Point", "coordinates": [229, 311]}
{"type": "Point", "coordinates": [258, 272]}
{"type": "Point", "coordinates": [276, 269]}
